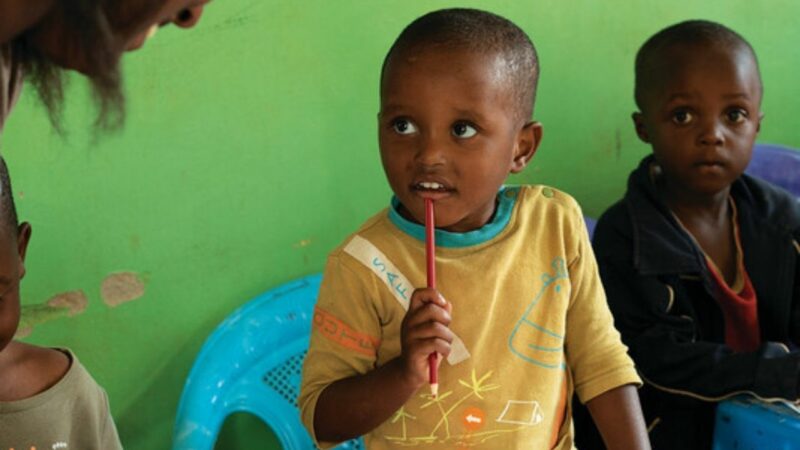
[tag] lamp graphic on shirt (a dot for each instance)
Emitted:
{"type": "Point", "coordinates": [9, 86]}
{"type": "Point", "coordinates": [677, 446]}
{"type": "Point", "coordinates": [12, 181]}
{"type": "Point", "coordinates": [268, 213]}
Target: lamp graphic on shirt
{"type": "Point", "coordinates": [532, 341]}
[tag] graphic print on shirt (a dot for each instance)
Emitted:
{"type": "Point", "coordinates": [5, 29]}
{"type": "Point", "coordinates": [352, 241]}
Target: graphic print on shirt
{"type": "Point", "coordinates": [397, 283]}
{"type": "Point", "coordinates": [532, 341]}
{"type": "Point", "coordinates": [462, 423]}
{"type": "Point", "coordinates": [334, 329]}
{"type": "Point", "coordinates": [521, 413]}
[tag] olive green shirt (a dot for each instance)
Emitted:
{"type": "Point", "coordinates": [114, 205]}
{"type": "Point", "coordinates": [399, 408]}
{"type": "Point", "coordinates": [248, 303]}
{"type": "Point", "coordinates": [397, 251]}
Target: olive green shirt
{"type": "Point", "coordinates": [72, 415]}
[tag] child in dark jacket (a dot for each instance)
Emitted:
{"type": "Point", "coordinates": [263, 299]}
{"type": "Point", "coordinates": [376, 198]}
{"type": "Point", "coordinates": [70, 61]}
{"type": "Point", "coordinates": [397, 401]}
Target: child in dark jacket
{"type": "Point", "coordinates": [699, 261]}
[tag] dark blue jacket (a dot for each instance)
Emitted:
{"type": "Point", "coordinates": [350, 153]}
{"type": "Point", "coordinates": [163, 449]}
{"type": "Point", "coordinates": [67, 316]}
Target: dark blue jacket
{"type": "Point", "coordinates": [660, 292]}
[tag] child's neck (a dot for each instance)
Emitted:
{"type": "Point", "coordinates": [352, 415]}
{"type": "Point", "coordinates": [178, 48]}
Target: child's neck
{"type": "Point", "coordinates": [27, 370]}
{"type": "Point", "coordinates": [709, 220]}
{"type": "Point", "coordinates": [691, 206]}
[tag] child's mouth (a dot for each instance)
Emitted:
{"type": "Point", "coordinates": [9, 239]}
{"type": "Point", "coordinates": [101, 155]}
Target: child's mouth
{"type": "Point", "coordinates": [430, 186]}
{"type": "Point", "coordinates": [711, 165]}
{"type": "Point", "coordinates": [431, 189]}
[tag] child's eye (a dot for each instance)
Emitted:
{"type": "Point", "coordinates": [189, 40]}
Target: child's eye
{"type": "Point", "coordinates": [464, 130]}
{"type": "Point", "coordinates": [736, 115]}
{"type": "Point", "coordinates": [682, 117]}
{"type": "Point", "coordinates": [404, 126]}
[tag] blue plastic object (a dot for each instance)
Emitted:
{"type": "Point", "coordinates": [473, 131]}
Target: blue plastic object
{"type": "Point", "coordinates": [252, 363]}
{"type": "Point", "coordinates": [745, 423]}
{"type": "Point", "coordinates": [778, 165]}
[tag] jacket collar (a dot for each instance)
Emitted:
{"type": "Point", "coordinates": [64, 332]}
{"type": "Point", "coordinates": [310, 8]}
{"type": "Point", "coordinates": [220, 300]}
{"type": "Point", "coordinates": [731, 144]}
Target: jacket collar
{"type": "Point", "coordinates": [660, 244]}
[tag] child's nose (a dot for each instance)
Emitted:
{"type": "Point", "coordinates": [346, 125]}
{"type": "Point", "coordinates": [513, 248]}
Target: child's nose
{"type": "Point", "coordinates": [712, 133]}
{"type": "Point", "coordinates": [431, 151]}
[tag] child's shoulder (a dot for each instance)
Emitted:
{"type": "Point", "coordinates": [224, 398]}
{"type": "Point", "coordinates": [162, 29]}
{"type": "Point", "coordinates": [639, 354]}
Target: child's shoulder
{"type": "Point", "coordinates": [771, 203]}
{"type": "Point", "coordinates": [27, 370]}
{"type": "Point", "coordinates": [373, 228]}
{"type": "Point", "coordinates": [542, 197]}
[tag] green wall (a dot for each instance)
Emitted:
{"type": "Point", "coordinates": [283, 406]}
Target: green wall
{"type": "Point", "coordinates": [250, 151]}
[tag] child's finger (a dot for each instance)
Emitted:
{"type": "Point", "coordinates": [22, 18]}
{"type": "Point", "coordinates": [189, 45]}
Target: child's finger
{"type": "Point", "coordinates": [427, 313]}
{"type": "Point", "coordinates": [422, 348]}
{"type": "Point", "coordinates": [416, 356]}
{"type": "Point", "coordinates": [441, 348]}
{"type": "Point", "coordinates": [431, 329]}
{"type": "Point", "coordinates": [423, 296]}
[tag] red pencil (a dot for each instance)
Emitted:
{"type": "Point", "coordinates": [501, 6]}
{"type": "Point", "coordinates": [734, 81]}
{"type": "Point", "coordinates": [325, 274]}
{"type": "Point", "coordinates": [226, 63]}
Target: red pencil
{"type": "Point", "coordinates": [430, 259]}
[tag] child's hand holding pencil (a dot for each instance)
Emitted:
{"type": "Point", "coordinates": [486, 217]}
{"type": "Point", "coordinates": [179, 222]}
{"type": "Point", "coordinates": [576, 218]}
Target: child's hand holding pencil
{"type": "Point", "coordinates": [428, 318]}
{"type": "Point", "coordinates": [425, 330]}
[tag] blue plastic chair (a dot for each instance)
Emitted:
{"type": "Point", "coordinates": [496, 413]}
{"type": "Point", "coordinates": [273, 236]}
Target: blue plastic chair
{"type": "Point", "coordinates": [252, 363]}
{"type": "Point", "coordinates": [747, 423]}
{"type": "Point", "coordinates": [777, 164]}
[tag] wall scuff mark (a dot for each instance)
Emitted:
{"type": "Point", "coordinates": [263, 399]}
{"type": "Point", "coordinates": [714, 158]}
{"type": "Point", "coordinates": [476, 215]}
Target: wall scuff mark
{"type": "Point", "coordinates": [121, 287]}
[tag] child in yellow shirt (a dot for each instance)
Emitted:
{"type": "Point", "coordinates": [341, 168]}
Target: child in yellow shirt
{"type": "Point", "coordinates": [519, 318]}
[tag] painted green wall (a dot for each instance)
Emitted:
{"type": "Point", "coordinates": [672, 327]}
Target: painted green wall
{"type": "Point", "coordinates": [250, 152]}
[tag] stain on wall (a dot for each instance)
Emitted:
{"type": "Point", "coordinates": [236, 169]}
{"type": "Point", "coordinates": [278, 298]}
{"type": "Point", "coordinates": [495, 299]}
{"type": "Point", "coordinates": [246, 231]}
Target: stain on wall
{"type": "Point", "coordinates": [64, 304]}
{"type": "Point", "coordinates": [121, 287]}
{"type": "Point", "coordinates": [74, 301]}
{"type": "Point", "coordinates": [302, 243]}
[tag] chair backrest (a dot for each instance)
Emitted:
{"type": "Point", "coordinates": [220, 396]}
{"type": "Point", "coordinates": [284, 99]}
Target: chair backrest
{"type": "Point", "coordinates": [252, 363]}
{"type": "Point", "coordinates": [777, 164]}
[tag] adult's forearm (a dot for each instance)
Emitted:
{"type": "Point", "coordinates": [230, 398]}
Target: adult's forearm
{"type": "Point", "coordinates": [355, 406]}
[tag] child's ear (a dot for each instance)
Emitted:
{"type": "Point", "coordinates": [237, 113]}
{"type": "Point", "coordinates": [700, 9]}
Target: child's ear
{"type": "Point", "coordinates": [760, 118]}
{"type": "Point", "coordinates": [23, 237]}
{"type": "Point", "coordinates": [638, 124]}
{"type": "Point", "coordinates": [528, 140]}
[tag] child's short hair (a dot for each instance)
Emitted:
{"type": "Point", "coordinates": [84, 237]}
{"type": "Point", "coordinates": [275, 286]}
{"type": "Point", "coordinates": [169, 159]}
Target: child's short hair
{"type": "Point", "coordinates": [7, 208]}
{"type": "Point", "coordinates": [690, 32]}
{"type": "Point", "coordinates": [482, 32]}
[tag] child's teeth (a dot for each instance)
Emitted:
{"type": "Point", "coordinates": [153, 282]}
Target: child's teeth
{"type": "Point", "coordinates": [428, 185]}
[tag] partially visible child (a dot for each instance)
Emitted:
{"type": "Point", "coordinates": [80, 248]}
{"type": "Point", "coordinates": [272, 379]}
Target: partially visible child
{"type": "Point", "coordinates": [699, 260]}
{"type": "Point", "coordinates": [520, 316]}
{"type": "Point", "coordinates": [47, 398]}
